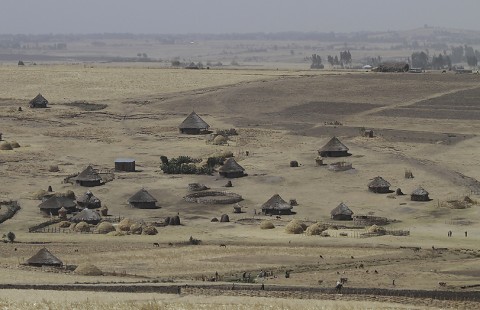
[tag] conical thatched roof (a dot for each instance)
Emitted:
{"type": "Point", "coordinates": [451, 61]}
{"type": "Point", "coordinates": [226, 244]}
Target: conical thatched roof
{"type": "Point", "coordinates": [341, 209]}
{"type": "Point", "coordinates": [334, 145]}
{"type": "Point", "coordinates": [88, 199]}
{"type": "Point", "coordinates": [378, 182]}
{"type": "Point", "coordinates": [420, 192]}
{"type": "Point", "coordinates": [193, 121]}
{"type": "Point", "coordinates": [86, 215]}
{"type": "Point", "coordinates": [89, 174]}
{"type": "Point", "coordinates": [142, 196]}
{"type": "Point", "coordinates": [276, 203]}
{"type": "Point", "coordinates": [39, 99]}
{"type": "Point", "coordinates": [55, 202]}
{"type": "Point", "coordinates": [231, 165]}
{"type": "Point", "coordinates": [44, 258]}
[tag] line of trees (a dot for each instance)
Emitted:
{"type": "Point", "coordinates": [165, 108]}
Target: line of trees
{"type": "Point", "coordinates": [458, 54]}
{"type": "Point", "coordinates": [344, 60]}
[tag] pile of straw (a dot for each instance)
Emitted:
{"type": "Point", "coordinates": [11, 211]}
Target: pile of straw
{"type": "Point", "coordinates": [266, 225]}
{"type": "Point", "coordinates": [295, 227]}
{"type": "Point", "coordinates": [88, 270]}
{"type": "Point", "coordinates": [105, 228]}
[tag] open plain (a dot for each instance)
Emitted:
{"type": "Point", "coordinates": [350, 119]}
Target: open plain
{"type": "Point", "coordinates": [425, 123]}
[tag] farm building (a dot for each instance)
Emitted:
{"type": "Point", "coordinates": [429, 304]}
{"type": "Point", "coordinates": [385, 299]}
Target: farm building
{"type": "Point", "coordinates": [333, 148]}
{"type": "Point", "coordinates": [231, 169]}
{"type": "Point", "coordinates": [38, 102]}
{"type": "Point", "coordinates": [88, 178]}
{"type": "Point", "coordinates": [87, 215]}
{"type": "Point", "coordinates": [88, 200]}
{"type": "Point", "coordinates": [143, 200]}
{"type": "Point", "coordinates": [419, 195]}
{"type": "Point", "coordinates": [379, 185]}
{"type": "Point", "coordinates": [341, 213]}
{"type": "Point", "coordinates": [125, 164]}
{"type": "Point", "coordinates": [193, 125]}
{"type": "Point", "coordinates": [52, 205]}
{"type": "Point", "coordinates": [44, 258]}
{"type": "Point", "coordinates": [277, 206]}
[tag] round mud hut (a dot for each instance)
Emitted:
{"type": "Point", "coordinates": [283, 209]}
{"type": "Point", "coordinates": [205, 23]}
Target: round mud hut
{"type": "Point", "coordinates": [231, 169]}
{"type": "Point", "coordinates": [379, 185]}
{"type": "Point", "coordinates": [341, 213]}
{"type": "Point", "coordinates": [143, 200]}
{"type": "Point", "coordinates": [193, 125]}
{"type": "Point", "coordinates": [420, 194]}
{"type": "Point", "coordinates": [276, 206]}
{"type": "Point", "coordinates": [44, 258]}
{"type": "Point", "coordinates": [88, 200]}
{"type": "Point", "coordinates": [333, 148]}
{"type": "Point", "coordinates": [89, 178]}
{"type": "Point", "coordinates": [52, 205]}
{"type": "Point", "coordinates": [38, 102]}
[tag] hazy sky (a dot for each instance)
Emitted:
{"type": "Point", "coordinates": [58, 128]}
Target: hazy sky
{"type": "Point", "coordinates": [225, 16]}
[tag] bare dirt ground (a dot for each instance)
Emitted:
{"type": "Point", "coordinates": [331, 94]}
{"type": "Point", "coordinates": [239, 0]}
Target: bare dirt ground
{"type": "Point", "coordinates": [280, 116]}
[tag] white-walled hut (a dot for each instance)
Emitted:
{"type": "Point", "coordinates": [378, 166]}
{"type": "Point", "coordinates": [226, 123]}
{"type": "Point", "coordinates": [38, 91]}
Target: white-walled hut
{"type": "Point", "coordinates": [89, 178]}
{"type": "Point", "coordinates": [379, 185]}
{"type": "Point", "coordinates": [333, 148]}
{"type": "Point", "coordinates": [341, 213]}
{"type": "Point", "coordinates": [38, 102]}
{"type": "Point", "coordinates": [419, 194]}
{"type": "Point", "coordinates": [193, 125]}
{"type": "Point", "coordinates": [125, 164]}
{"type": "Point", "coordinates": [231, 169]}
{"type": "Point", "coordinates": [276, 206]}
{"type": "Point", "coordinates": [143, 200]}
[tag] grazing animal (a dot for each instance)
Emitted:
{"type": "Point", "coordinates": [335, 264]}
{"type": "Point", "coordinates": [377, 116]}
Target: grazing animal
{"type": "Point", "coordinates": [417, 249]}
{"type": "Point", "coordinates": [76, 250]}
{"type": "Point", "coordinates": [15, 249]}
{"type": "Point", "coordinates": [338, 287]}
{"type": "Point", "coordinates": [352, 257]}
{"type": "Point", "coordinates": [223, 245]}
{"type": "Point", "coordinates": [170, 244]}
{"type": "Point", "coordinates": [320, 282]}
{"type": "Point", "coordinates": [156, 244]}
{"type": "Point", "coordinates": [443, 284]}
{"type": "Point", "coordinates": [278, 217]}
{"type": "Point", "coordinates": [343, 280]}
{"type": "Point", "coordinates": [321, 256]}
{"type": "Point", "coordinates": [376, 271]}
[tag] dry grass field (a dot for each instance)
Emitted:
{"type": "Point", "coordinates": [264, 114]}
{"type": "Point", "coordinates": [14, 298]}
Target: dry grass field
{"type": "Point", "coordinates": [426, 123]}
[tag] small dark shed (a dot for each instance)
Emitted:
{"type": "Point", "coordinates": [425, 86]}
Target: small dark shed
{"type": "Point", "coordinates": [52, 205]}
{"type": "Point", "coordinates": [341, 213]}
{"type": "Point", "coordinates": [193, 125]}
{"type": "Point", "coordinates": [333, 148]}
{"type": "Point", "coordinates": [44, 258]}
{"type": "Point", "coordinates": [420, 194]}
{"type": "Point", "coordinates": [88, 178]}
{"type": "Point", "coordinates": [143, 200]}
{"type": "Point", "coordinates": [379, 185]}
{"type": "Point", "coordinates": [38, 102]}
{"type": "Point", "coordinates": [231, 169]}
{"type": "Point", "coordinates": [125, 164]}
{"type": "Point", "coordinates": [276, 206]}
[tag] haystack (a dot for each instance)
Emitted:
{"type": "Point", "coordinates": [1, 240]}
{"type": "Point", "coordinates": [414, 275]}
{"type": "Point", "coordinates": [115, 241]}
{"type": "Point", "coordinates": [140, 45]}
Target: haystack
{"type": "Point", "coordinates": [266, 225]}
{"type": "Point", "coordinates": [294, 227]}
{"type": "Point", "coordinates": [225, 218]}
{"type": "Point", "coordinates": [82, 227]}
{"type": "Point", "coordinates": [149, 230]}
{"type": "Point", "coordinates": [315, 229]}
{"type": "Point", "coordinates": [72, 226]}
{"type": "Point", "coordinates": [14, 144]}
{"type": "Point", "coordinates": [64, 224]}
{"type": "Point", "coordinates": [5, 146]}
{"type": "Point", "coordinates": [136, 229]}
{"type": "Point", "coordinates": [374, 229]}
{"type": "Point", "coordinates": [105, 228]}
{"type": "Point", "coordinates": [125, 224]}
{"type": "Point", "coordinates": [220, 140]}
{"type": "Point", "coordinates": [116, 233]}
{"type": "Point", "coordinates": [88, 270]}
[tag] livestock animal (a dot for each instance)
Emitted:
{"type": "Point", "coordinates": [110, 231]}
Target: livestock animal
{"type": "Point", "coordinates": [223, 245]}
{"type": "Point", "coordinates": [343, 280]}
{"type": "Point", "coordinates": [156, 244]}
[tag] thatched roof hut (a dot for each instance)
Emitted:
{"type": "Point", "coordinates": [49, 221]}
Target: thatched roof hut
{"type": "Point", "coordinates": [44, 258]}
{"type": "Point", "coordinates": [341, 213]}
{"type": "Point", "coordinates": [88, 200]}
{"type": "Point", "coordinates": [193, 125]}
{"type": "Point", "coordinates": [333, 148]}
{"type": "Point", "coordinates": [38, 102]}
{"type": "Point", "coordinates": [231, 169]}
{"type": "Point", "coordinates": [88, 216]}
{"type": "Point", "coordinates": [419, 194]}
{"type": "Point", "coordinates": [276, 205]}
{"type": "Point", "coordinates": [52, 205]}
{"type": "Point", "coordinates": [88, 177]}
{"type": "Point", "coordinates": [379, 185]}
{"type": "Point", "coordinates": [143, 200]}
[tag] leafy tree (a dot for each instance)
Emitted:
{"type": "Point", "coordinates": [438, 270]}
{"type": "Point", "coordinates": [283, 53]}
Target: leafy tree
{"type": "Point", "coordinates": [419, 60]}
{"type": "Point", "coordinates": [472, 61]}
{"type": "Point", "coordinates": [11, 236]}
{"type": "Point", "coordinates": [457, 53]}
{"type": "Point", "coordinates": [316, 62]}
{"type": "Point", "coordinates": [330, 60]}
